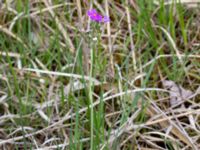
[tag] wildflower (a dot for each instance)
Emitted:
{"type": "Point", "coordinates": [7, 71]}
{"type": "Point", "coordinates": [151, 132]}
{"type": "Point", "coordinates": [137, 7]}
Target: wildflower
{"type": "Point", "coordinates": [94, 15]}
{"type": "Point", "coordinates": [97, 17]}
{"type": "Point", "coordinates": [106, 19]}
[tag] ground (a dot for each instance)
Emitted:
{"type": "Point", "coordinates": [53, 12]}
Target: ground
{"type": "Point", "coordinates": [129, 79]}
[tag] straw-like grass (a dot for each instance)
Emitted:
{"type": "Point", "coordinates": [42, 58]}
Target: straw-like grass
{"type": "Point", "coordinates": [67, 82]}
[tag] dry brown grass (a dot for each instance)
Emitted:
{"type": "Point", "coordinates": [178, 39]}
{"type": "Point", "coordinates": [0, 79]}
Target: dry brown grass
{"type": "Point", "coordinates": [141, 91]}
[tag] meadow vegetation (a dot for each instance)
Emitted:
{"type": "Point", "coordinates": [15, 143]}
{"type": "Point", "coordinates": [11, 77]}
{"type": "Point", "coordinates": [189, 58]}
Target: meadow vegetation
{"type": "Point", "coordinates": [68, 81]}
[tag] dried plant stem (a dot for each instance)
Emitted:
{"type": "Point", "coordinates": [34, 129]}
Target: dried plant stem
{"type": "Point", "coordinates": [112, 72]}
{"type": "Point", "coordinates": [131, 35]}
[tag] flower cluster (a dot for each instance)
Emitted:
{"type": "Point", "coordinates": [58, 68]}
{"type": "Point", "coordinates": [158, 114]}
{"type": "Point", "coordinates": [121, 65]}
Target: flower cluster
{"type": "Point", "coordinates": [97, 17]}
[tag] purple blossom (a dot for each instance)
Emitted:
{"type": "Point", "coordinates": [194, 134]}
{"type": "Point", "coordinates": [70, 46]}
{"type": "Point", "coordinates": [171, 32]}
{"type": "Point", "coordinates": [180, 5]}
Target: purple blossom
{"type": "Point", "coordinates": [106, 19]}
{"type": "Point", "coordinates": [95, 16]}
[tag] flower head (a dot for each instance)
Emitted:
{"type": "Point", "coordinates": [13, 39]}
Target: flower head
{"type": "Point", "coordinates": [95, 16]}
{"type": "Point", "coordinates": [106, 19]}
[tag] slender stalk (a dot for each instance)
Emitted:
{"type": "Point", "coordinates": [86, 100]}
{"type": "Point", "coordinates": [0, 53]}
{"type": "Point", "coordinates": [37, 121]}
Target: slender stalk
{"type": "Point", "coordinates": [91, 101]}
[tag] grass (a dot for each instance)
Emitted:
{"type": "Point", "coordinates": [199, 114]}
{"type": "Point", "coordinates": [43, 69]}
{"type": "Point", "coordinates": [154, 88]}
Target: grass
{"type": "Point", "coordinates": [67, 82]}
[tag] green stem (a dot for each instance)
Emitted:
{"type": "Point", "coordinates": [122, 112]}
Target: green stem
{"type": "Point", "coordinates": [91, 102]}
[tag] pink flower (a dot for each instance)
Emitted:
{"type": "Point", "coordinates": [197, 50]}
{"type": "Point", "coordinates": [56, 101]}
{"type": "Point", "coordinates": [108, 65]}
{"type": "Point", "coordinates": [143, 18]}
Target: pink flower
{"type": "Point", "coordinates": [96, 16]}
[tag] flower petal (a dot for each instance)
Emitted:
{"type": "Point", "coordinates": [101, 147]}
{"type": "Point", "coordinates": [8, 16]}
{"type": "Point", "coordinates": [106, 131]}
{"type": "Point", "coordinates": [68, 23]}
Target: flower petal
{"type": "Point", "coordinates": [95, 16]}
{"type": "Point", "coordinates": [106, 19]}
{"type": "Point", "coordinates": [91, 12]}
